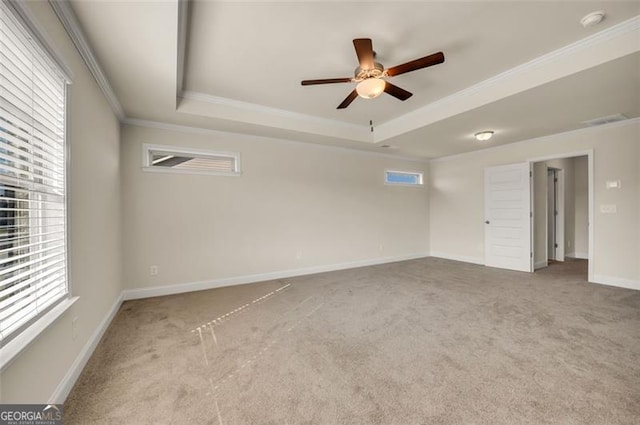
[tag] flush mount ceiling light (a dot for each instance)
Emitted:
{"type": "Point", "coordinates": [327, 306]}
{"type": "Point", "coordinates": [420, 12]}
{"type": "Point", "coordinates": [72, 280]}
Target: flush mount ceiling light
{"type": "Point", "coordinates": [484, 135]}
{"type": "Point", "coordinates": [593, 18]}
{"type": "Point", "coordinates": [370, 88]}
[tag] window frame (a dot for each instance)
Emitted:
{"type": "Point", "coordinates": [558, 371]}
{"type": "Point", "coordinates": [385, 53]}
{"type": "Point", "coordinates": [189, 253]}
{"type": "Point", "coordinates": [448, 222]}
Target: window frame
{"type": "Point", "coordinates": [419, 174]}
{"type": "Point", "coordinates": [148, 148]}
{"type": "Point", "coordinates": [20, 338]}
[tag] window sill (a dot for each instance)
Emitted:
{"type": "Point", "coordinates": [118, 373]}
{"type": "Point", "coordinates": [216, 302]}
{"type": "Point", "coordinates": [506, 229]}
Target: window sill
{"type": "Point", "coordinates": [20, 343]}
{"type": "Point", "coordinates": [419, 185]}
{"type": "Point", "coordinates": [195, 172]}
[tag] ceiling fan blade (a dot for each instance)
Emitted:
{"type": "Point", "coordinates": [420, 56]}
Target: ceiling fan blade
{"type": "Point", "coordinates": [348, 100]}
{"type": "Point", "coordinates": [364, 51]}
{"type": "Point", "coordinates": [424, 62]}
{"type": "Point", "coordinates": [326, 81]}
{"type": "Point", "coordinates": [396, 91]}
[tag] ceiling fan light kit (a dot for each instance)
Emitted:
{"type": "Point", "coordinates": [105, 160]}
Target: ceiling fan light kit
{"type": "Point", "coordinates": [371, 76]}
{"type": "Point", "coordinates": [370, 88]}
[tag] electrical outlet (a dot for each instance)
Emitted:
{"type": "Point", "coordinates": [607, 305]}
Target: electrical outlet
{"type": "Point", "coordinates": [74, 328]}
{"type": "Point", "coordinates": [153, 271]}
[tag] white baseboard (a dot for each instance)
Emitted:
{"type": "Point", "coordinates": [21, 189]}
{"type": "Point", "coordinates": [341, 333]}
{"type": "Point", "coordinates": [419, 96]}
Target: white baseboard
{"type": "Point", "coordinates": [157, 291]}
{"type": "Point", "coordinates": [579, 255]}
{"type": "Point", "coordinates": [540, 265]}
{"type": "Point", "coordinates": [64, 388]}
{"type": "Point", "coordinates": [463, 258]}
{"type": "Point", "coordinates": [616, 281]}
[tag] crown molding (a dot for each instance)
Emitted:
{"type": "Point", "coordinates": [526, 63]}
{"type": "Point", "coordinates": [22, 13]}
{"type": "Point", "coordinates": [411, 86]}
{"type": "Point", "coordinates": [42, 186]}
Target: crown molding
{"type": "Point", "coordinates": [630, 121]}
{"type": "Point", "coordinates": [37, 30]}
{"type": "Point", "coordinates": [485, 89]}
{"type": "Point", "coordinates": [68, 19]}
{"type": "Point", "coordinates": [209, 132]}
{"type": "Point", "coordinates": [183, 26]}
{"type": "Point", "coordinates": [254, 107]}
{"type": "Point", "coordinates": [466, 99]}
{"type": "Point", "coordinates": [220, 107]}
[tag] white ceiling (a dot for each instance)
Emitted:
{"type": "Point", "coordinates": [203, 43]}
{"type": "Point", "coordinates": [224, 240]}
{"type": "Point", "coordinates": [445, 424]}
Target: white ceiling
{"type": "Point", "coordinates": [555, 107]}
{"type": "Point", "coordinates": [244, 62]}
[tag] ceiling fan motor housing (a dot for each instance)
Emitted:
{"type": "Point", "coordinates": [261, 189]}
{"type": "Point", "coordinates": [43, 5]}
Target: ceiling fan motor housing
{"type": "Point", "coordinates": [361, 74]}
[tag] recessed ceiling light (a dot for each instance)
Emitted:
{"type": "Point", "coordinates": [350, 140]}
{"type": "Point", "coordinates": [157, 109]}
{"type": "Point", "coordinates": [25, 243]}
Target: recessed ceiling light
{"type": "Point", "coordinates": [593, 18]}
{"type": "Point", "coordinates": [484, 135]}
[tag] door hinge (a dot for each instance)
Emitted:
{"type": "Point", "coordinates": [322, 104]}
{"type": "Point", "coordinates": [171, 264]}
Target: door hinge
{"type": "Point", "coordinates": [531, 214]}
{"type": "Point", "coordinates": [531, 255]}
{"type": "Point", "coordinates": [555, 245]}
{"type": "Point", "coordinates": [555, 213]}
{"type": "Point", "coordinates": [530, 173]}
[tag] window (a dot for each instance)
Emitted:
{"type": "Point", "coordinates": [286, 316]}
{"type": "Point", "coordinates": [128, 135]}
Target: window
{"type": "Point", "coordinates": [180, 160]}
{"type": "Point", "coordinates": [33, 244]}
{"type": "Point", "coordinates": [405, 178]}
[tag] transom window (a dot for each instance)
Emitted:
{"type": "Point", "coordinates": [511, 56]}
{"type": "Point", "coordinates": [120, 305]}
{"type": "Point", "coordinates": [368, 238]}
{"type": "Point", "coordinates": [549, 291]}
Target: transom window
{"type": "Point", "coordinates": [175, 159]}
{"type": "Point", "coordinates": [406, 178]}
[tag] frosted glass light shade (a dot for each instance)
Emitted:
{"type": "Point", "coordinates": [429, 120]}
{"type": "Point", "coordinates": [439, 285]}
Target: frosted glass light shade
{"type": "Point", "coordinates": [484, 135]}
{"type": "Point", "coordinates": [370, 88]}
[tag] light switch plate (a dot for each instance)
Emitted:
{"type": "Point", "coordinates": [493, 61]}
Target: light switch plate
{"type": "Point", "coordinates": [608, 209]}
{"type": "Point", "coordinates": [614, 184]}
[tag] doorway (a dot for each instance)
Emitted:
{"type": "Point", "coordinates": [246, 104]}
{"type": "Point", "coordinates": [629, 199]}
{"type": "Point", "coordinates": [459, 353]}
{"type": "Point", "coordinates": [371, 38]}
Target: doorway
{"type": "Point", "coordinates": [516, 213]}
{"type": "Point", "coordinates": [555, 214]}
{"type": "Point", "coordinates": [561, 210]}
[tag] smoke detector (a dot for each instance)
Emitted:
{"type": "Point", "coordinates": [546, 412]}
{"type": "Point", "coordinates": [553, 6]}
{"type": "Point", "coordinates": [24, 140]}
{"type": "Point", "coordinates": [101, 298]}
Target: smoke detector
{"type": "Point", "coordinates": [593, 18]}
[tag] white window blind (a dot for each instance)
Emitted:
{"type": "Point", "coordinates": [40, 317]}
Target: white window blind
{"type": "Point", "coordinates": [33, 254]}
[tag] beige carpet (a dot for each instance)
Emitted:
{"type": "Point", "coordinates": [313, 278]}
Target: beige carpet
{"type": "Point", "coordinates": [418, 342]}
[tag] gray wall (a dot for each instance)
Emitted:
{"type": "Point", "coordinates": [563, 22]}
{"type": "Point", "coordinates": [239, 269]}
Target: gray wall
{"type": "Point", "coordinates": [329, 205]}
{"type": "Point", "coordinates": [457, 204]}
{"type": "Point", "coordinates": [94, 229]}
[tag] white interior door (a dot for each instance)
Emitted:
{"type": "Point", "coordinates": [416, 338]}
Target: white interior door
{"type": "Point", "coordinates": [508, 217]}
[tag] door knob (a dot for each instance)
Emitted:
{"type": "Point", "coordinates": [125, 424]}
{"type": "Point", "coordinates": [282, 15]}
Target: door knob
{"type": "Point", "coordinates": [486, 222]}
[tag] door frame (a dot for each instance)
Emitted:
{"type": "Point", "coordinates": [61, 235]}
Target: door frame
{"type": "Point", "coordinates": [559, 231]}
{"type": "Point", "coordinates": [590, 161]}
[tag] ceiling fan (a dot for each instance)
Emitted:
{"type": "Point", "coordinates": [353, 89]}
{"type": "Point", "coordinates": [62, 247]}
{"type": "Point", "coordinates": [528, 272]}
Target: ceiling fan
{"type": "Point", "coordinates": [371, 75]}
